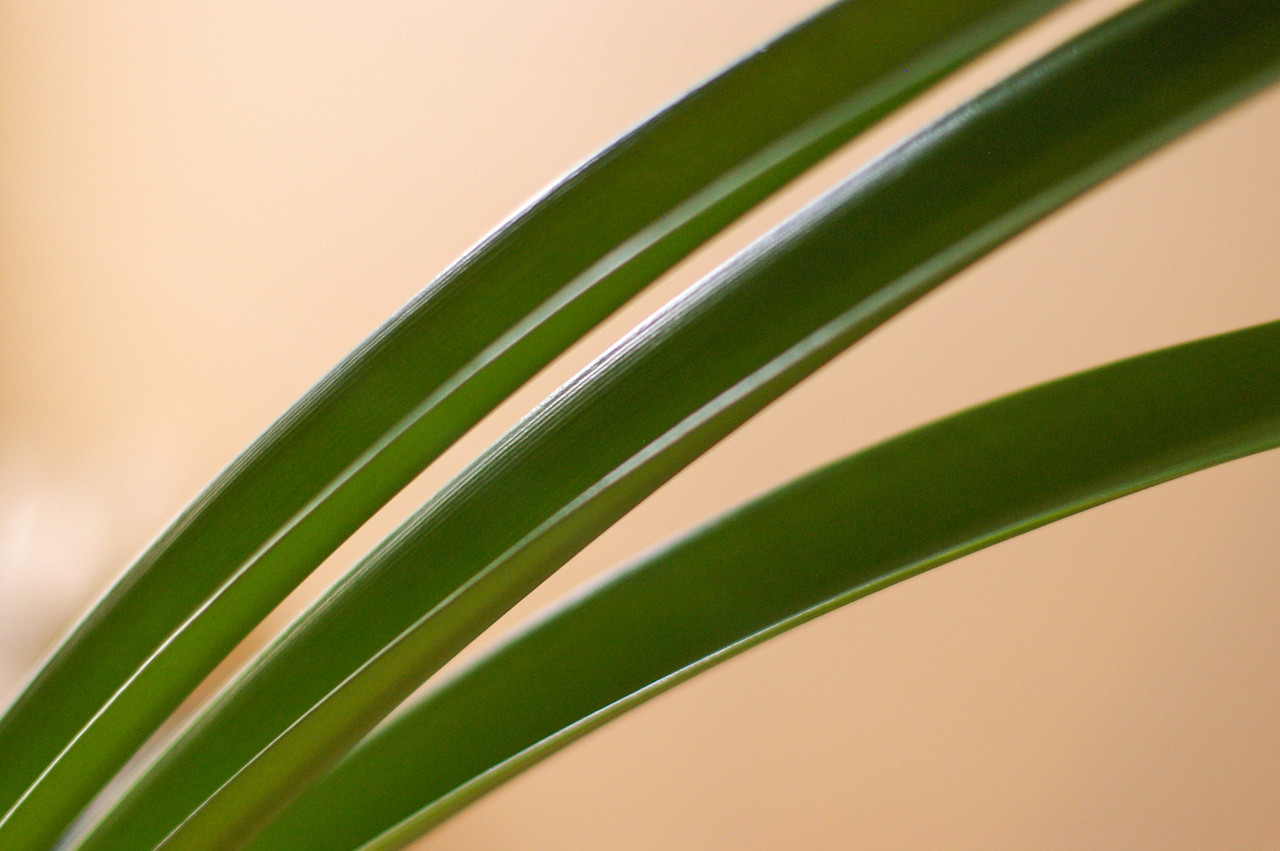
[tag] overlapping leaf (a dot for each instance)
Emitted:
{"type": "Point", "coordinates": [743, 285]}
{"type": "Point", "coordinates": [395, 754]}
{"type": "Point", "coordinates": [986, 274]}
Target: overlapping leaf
{"type": "Point", "coordinates": [491, 321]}
{"type": "Point", "coordinates": [686, 378]}
{"type": "Point", "coordinates": [859, 525]}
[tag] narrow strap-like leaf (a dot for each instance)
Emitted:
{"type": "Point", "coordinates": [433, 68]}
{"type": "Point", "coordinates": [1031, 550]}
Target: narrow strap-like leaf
{"type": "Point", "coordinates": [684, 380]}
{"type": "Point", "coordinates": [504, 311]}
{"type": "Point", "coordinates": [854, 527]}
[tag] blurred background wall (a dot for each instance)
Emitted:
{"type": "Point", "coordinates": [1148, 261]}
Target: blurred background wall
{"type": "Point", "coordinates": [204, 205]}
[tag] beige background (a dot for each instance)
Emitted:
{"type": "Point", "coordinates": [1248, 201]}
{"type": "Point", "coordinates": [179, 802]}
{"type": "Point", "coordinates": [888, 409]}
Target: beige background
{"type": "Point", "coordinates": [204, 205]}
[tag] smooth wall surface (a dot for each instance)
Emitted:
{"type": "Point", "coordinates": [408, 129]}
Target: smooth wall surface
{"type": "Point", "coordinates": [204, 205]}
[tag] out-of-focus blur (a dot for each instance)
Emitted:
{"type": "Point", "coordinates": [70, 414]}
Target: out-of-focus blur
{"type": "Point", "coordinates": [204, 205]}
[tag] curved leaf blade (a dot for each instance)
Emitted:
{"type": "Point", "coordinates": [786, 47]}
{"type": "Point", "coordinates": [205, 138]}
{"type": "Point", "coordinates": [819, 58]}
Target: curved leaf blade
{"type": "Point", "coordinates": [690, 376]}
{"type": "Point", "coordinates": [484, 327]}
{"type": "Point", "coordinates": [870, 520]}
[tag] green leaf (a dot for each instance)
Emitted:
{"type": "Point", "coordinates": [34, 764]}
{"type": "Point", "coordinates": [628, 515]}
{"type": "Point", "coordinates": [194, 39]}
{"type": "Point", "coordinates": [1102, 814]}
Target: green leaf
{"type": "Point", "coordinates": [682, 381]}
{"type": "Point", "coordinates": [859, 525]}
{"type": "Point", "coordinates": [490, 322]}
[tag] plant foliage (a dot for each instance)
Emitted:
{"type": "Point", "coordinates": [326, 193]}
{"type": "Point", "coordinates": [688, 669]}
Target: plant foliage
{"type": "Point", "coordinates": [275, 760]}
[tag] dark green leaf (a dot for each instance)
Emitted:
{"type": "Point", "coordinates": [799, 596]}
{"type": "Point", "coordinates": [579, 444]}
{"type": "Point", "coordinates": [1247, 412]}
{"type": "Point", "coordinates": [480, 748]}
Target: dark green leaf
{"type": "Point", "coordinates": [859, 525]}
{"type": "Point", "coordinates": [490, 322]}
{"type": "Point", "coordinates": [688, 377]}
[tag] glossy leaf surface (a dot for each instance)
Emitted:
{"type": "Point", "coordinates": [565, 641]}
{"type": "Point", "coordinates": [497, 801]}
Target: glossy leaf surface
{"type": "Point", "coordinates": [852, 528]}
